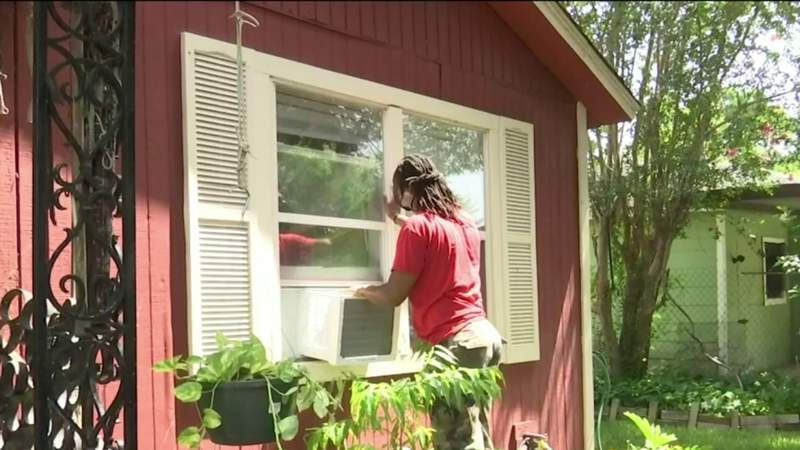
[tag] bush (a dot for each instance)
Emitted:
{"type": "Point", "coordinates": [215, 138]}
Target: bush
{"type": "Point", "coordinates": [762, 394]}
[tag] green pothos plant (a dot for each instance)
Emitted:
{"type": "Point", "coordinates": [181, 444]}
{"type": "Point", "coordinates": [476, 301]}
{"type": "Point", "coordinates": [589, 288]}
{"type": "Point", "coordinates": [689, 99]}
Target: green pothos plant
{"type": "Point", "coordinates": [397, 407]}
{"type": "Point", "coordinates": [241, 361]}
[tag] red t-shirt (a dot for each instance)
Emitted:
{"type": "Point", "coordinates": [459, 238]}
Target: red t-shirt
{"type": "Point", "coordinates": [295, 249]}
{"type": "Point", "coordinates": [445, 255]}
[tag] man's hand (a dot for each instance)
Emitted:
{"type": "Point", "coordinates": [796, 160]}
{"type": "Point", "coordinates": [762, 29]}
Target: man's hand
{"type": "Point", "coordinates": [391, 207]}
{"type": "Point", "coordinates": [392, 293]}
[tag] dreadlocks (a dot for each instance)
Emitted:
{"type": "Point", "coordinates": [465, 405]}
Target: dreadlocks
{"type": "Point", "coordinates": [417, 175]}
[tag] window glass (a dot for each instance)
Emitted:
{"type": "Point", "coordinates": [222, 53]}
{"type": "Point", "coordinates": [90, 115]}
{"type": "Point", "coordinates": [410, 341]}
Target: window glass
{"type": "Point", "coordinates": [330, 158]}
{"type": "Point", "coordinates": [330, 188]}
{"type": "Point", "coordinates": [309, 252]}
{"type": "Point", "coordinates": [775, 278]}
{"type": "Point", "coordinates": [457, 152]}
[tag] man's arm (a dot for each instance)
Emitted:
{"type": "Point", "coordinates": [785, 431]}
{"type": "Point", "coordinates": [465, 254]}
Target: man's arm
{"type": "Point", "coordinates": [392, 293]}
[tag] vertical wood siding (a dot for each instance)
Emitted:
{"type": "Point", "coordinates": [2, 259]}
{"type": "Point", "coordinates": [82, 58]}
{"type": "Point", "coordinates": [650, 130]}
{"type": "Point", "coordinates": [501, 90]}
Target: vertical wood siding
{"type": "Point", "coordinates": [456, 51]}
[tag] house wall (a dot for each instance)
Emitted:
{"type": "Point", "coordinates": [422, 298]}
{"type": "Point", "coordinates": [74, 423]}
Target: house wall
{"type": "Point", "coordinates": [765, 338]}
{"type": "Point", "coordinates": [459, 52]}
{"type": "Point", "coordinates": [759, 336]}
{"type": "Point", "coordinates": [693, 286]}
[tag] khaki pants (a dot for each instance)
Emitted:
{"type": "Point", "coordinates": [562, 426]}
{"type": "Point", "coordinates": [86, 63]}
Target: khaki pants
{"type": "Point", "coordinates": [476, 346]}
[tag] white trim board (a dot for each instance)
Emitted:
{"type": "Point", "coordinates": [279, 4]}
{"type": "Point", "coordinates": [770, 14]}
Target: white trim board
{"type": "Point", "coordinates": [722, 288]}
{"type": "Point", "coordinates": [584, 217]}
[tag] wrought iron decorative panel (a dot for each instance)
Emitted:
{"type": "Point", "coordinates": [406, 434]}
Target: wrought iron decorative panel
{"type": "Point", "coordinates": [67, 361]}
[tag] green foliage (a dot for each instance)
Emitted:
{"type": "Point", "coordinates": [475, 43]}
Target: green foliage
{"type": "Point", "coordinates": [397, 405]}
{"type": "Point", "coordinates": [761, 394]}
{"type": "Point", "coordinates": [241, 361]}
{"type": "Point", "coordinates": [714, 120]}
{"type": "Point", "coordinates": [654, 438]}
{"type": "Point", "coordinates": [619, 433]}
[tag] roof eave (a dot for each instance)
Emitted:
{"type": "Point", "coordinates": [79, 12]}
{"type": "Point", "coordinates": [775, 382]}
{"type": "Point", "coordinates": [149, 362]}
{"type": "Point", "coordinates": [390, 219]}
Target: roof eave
{"type": "Point", "coordinates": [558, 42]}
{"type": "Point", "coordinates": [590, 55]}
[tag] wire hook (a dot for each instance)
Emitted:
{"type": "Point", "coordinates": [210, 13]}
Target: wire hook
{"type": "Point", "coordinates": [3, 108]}
{"type": "Point", "coordinates": [244, 17]}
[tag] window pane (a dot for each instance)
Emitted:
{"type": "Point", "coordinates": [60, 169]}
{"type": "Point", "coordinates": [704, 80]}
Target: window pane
{"type": "Point", "coordinates": [309, 252]}
{"type": "Point", "coordinates": [330, 157]}
{"type": "Point", "coordinates": [774, 278]}
{"type": "Point", "coordinates": [457, 152]}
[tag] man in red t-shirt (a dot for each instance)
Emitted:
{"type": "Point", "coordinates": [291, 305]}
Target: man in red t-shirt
{"type": "Point", "coordinates": [297, 249]}
{"type": "Point", "coordinates": [437, 266]}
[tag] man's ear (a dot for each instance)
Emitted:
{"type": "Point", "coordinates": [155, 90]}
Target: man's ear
{"type": "Point", "coordinates": [407, 199]}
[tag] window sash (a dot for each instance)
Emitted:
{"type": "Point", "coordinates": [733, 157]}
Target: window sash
{"type": "Point", "coordinates": [327, 221]}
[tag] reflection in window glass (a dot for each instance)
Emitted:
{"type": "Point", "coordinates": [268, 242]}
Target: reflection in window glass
{"type": "Point", "coordinates": [457, 152]}
{"type": "Point", "coordinates": [330, 166]}
{"type": "Point", "coordinates": [330, 158]}
{"type": "Point", "coordinates": [309, 252]}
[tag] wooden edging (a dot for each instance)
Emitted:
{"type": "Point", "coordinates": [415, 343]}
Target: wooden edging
{"type": "Point", "coordinates": [693, 418]}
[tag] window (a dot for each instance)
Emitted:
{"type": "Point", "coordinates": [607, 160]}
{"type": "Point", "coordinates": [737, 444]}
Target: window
{"type": "Point", "coordinates": [330, 188]}
{"type": "Point", "coordinates": [774, 273]}
{"type": "Point", "coordinates": [309, 214]}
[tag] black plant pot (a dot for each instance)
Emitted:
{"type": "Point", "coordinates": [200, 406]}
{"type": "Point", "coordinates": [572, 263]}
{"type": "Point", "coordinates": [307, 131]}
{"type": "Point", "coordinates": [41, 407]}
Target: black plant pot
{"type": "Point", "coordinates": [246, 416]}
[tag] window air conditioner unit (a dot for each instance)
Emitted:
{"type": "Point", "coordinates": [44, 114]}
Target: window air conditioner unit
{"type": "Point", "coordinates": [332, 326]}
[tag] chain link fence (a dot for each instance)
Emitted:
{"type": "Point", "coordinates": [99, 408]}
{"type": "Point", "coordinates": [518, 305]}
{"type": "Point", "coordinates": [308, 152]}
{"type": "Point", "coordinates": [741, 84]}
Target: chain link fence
{"type": "Point", "coordinates": [695, 330]}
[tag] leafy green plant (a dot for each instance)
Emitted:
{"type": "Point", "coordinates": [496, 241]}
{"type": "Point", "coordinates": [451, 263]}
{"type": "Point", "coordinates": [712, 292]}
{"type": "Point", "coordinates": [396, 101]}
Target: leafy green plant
{"type": "Point", "coordinates": [241, 361]}
{"type": "Point", "coordinates": [397, 406]}
{"type": "Point", "coordinates": [654, 438]}
{"type": "Point", "coordinates": [761, 394]}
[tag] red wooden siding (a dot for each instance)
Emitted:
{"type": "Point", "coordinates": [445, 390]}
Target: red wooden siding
{"type": "Point", "coordinates": [16, 184]}
{"type": "Point", "coordinates": [456, 51]}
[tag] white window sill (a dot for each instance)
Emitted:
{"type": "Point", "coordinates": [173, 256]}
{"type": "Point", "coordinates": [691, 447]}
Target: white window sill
{"type": "Point", "coordinates": [322, 371]}
{"type": "Point", "coordinates": [775, 301]}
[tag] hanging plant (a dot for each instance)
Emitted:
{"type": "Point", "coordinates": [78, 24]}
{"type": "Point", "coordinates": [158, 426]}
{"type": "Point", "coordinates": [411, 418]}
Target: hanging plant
{"type": "Point", "coordinates": [242, 397]}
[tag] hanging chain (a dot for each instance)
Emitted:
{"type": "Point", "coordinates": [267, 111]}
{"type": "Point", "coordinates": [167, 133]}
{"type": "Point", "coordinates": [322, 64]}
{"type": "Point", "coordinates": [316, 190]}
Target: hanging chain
{"type": "Point", "coordinates": [242, 18]}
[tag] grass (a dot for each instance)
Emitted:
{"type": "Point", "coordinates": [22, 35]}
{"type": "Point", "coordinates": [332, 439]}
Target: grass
{"type": "Point", "coordinates": [616, 434]}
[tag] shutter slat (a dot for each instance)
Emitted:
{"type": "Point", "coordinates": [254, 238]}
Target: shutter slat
{"type": "Point", "coordinates": [216, 108]}
{"type": "Point", "coordinates": [521, 322]}
{"type": "Point", "coordinates": [224, 281]}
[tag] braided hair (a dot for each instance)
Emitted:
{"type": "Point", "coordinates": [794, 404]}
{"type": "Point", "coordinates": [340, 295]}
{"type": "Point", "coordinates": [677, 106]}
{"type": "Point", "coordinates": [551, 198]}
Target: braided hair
{"type": "Point", "coordinates": [417, 175]}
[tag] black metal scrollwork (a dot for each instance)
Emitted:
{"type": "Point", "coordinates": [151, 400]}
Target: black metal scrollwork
{"type": "Point", "coordinates": [68, 354]}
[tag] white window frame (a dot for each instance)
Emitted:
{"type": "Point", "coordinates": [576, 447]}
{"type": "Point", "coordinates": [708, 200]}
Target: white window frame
{"type": "Point", "coordinates": [771, 301]}
{"type": "Point", "coordinates": [277, 71]}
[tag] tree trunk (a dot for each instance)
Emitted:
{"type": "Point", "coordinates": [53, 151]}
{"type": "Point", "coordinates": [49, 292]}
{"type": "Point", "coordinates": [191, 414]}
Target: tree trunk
{"type": "Point", "coordinates": [604, 299]}
{"type": "Point", "coordinates": [645, 278]}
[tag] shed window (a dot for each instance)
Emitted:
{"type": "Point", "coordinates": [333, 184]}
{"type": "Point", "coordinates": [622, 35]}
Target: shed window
{"type": "Point", "coordinates": [774, 272]}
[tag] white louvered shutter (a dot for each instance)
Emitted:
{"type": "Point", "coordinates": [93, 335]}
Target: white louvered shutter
{"type": "Point", "coordinates": [520, 291]}
{"type": "Point", "coordinates": [226, 242]}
